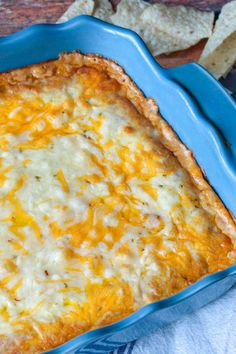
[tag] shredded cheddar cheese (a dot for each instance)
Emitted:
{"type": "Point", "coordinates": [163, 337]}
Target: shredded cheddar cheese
{"type": "Point", "coordinates": [97, 217]}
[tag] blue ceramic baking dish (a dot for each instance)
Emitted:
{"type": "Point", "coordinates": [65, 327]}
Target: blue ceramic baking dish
{"type": "Point", "coordinates": [195, 105]}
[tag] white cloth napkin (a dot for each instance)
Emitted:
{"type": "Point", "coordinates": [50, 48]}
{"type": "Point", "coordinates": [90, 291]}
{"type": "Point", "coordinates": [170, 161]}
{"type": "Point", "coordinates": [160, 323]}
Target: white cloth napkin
{"type": "Point", "coordinates": [210, 330]}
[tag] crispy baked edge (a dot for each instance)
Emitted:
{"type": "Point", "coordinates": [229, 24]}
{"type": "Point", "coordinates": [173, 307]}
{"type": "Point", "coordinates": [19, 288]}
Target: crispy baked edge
{"type": "Point", "coordinates": [149, 110]}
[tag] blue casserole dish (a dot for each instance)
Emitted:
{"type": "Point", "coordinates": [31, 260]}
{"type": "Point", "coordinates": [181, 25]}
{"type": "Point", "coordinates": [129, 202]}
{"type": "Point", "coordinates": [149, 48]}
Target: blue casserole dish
{"type": "Point", "coordinates": [192, 102]}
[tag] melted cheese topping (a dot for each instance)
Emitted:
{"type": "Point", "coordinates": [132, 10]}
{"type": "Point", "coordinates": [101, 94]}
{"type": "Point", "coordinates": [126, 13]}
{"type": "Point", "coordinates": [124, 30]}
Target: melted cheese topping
{"type": "Point", "coordinates": [97, 217]}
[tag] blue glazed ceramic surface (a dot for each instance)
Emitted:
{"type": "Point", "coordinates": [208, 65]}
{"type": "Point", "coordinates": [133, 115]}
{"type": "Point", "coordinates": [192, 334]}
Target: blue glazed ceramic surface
{"type": "Point", "coordinates": [195, 105]}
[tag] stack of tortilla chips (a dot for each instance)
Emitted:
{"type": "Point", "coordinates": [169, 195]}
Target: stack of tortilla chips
{"type": "Point", "coordinates": [166, 29]}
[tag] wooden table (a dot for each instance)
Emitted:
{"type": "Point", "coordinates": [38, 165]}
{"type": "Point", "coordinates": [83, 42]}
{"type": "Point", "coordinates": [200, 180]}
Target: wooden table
{"type": "Point", "coordinates": [15, 15]}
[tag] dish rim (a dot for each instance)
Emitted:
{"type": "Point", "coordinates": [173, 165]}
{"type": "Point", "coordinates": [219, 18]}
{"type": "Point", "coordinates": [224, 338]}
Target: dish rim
{"type": "Point", "coordinates": [201, 284]}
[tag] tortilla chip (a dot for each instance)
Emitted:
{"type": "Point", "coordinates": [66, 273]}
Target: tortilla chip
{"type": "Point", "coordinates": [164, 28]}
{"type": "Point", "coordinates": [128, 14]}
{"type": "Point", "coordinates": [103, 10]}
{"type": "Point", "coordinates": [219, 54]}
{"type": "Point", "coordinates": [160, 42]}
{"type": "Point", "coordinates": [79, 7]}
{"type": "Point", "coordinates": [174, 28]}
